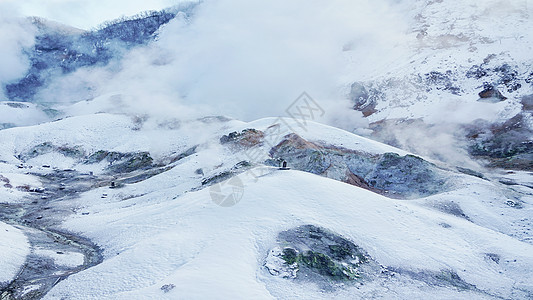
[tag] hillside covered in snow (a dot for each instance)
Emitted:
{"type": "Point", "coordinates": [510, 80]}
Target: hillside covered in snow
{"type": "Point", "coordinates": [281, 150]}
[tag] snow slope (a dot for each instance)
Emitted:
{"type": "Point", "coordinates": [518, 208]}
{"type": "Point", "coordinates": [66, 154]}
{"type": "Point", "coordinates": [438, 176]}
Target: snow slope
{"type": "Point", "coordinates": [14, 247]}
{"type": "Point", "coordinates": [208, 251]}
{"type": "Point", "coordinates": [166, 231]}
{"type": "Point", "coordinates": [164, 237]}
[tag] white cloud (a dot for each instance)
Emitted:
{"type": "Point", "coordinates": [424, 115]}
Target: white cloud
{"type": "Point", "coordinates": [16, 34]}
{"type": "Point", "coordinates": [250, 59]}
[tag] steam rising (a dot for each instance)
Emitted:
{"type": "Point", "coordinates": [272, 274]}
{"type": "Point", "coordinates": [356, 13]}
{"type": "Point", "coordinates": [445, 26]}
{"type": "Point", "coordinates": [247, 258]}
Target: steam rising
{"type": "Point", "coordinates": [16, 34]}
{"type": "Point", "coordinates": [245, 59]}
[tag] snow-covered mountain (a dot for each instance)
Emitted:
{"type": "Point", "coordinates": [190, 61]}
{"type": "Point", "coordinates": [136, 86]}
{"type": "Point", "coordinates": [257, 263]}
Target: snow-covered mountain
{"type": "Point", "coordinates": [465, 67]}
{"type": "Point", "coordinates": [118, 180]}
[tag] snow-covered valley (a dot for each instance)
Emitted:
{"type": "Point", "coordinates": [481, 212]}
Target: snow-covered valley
{"type": "Point", "coordinates": [137, 163]}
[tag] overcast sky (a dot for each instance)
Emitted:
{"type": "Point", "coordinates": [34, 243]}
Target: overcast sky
{"type": "Point", "coordinates": [86, 14]}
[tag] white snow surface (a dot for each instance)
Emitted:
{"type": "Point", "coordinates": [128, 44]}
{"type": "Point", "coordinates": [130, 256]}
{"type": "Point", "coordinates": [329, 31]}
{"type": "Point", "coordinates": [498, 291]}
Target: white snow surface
{"type": "Point", "coordinates": [68, 259]}
{"type": "Point", "coordinates": [163, 231]}
{"type": "Point", "coordinates": [208, 251]}
{"type": "Point", "coordinates": [166, 231]}
{"type": "Point", "coordinates": [14, 247]}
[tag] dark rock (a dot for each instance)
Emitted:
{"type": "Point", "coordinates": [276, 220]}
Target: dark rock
{"type": "Point", "coordinates": [235, 170]}
{"type": "Point", "coordinates": [508, 76]}
{"type": "Point", "coordinates": [476, 72]}
{"type": "Point", "coordinates": [442, 81]}
{"type": "Point", "coordinates": [389, 173]}
{"type": "Point", "coordinates": [16, 105]}
{"type": "Point", "coordinates": [217, 178]}
{"type": "Point", "coordinates": [358, 181]}
{"type": "Point", "coordinates": [443, 278]}
{"type": "Point", "coordinates": [491, 92]}
{"type": "Point", "coordinates": [314, 252]}
{"type": "Point", "coordinates": [132, 162]}
{"type": "Point", "coordinates": [185, 154]}
{"type": "Point", "coordinates": [7, 125]}
{"type": "Point", "coordinates": [470, 172]}
{"type": "Point", "coordinates": [301, 154]}
{"type": "Point", "coordinates": [122, 162]}
{"type": "Point", "coordinates": [167, 287]}
{"type": "Point", "coordinates": [364, 100]}
{"type": "Point", "coordinates": [529, 78]}
{"type": "Point", "coordinates": [75, 152]}
{"type": "Point", "coordinates": [508, 145]}
{"type": "Point", "coordinates": [527, 102]}
{"type": "Point", "coordinates": [493, 257]}
{"type": "Point", "coordinates": [451, 208]}
{"type": "Point", "coordinates": [513, 204]}
{"type": "Point", "coordinates": [4, 179]}
{"type": "Point", "coordinates": [504, 75]}
{"type": "Point", "coordinates": [407, 175]}
{"type": "Point", "coordinates": [246, 138]}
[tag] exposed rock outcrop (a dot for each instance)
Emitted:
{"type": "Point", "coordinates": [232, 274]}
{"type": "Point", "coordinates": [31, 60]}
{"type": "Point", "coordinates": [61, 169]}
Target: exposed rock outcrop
{"type": "Point", "coordinates": [389, 173]}
{"type": "Point", "coordinates": [508, 145]}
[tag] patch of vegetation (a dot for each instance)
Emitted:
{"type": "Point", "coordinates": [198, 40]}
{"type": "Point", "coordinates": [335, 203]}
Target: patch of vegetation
{"type": "Point", "coordinates": [290, 256]}
{"type": "Point", "coordinates": [314, 251]}
{"type": "Point", "coordinates": [325, 265]}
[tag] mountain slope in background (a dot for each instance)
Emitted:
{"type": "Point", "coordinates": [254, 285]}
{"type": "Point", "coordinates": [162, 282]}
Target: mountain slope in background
{"type": "Point", "coordinates": [466, 68]}
{"type": "Point", "coordinates": [61, 50]}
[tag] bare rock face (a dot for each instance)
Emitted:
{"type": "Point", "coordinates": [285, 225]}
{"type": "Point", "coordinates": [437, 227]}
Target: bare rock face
{"type": "Point", "coordinates": [508, 145]}
{"type": "Point", "coordinates": [246, 138]}
{"type": "Point", "coordinates": [491, 92]}
{"type": "Point", "coordinates": [364, 100]}
{"type": "Point", "coordinates": [389, 173]}
{"type": "Point", "coordinates": [527, 103]}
